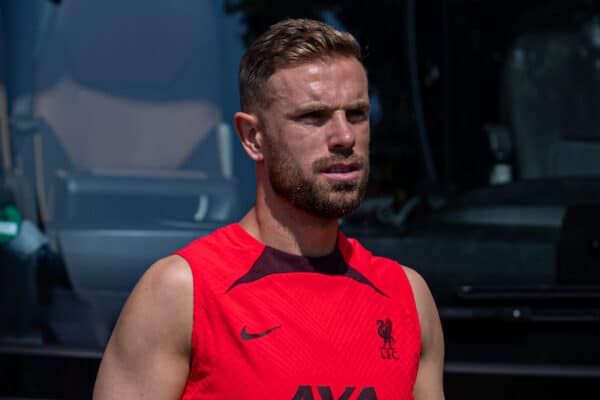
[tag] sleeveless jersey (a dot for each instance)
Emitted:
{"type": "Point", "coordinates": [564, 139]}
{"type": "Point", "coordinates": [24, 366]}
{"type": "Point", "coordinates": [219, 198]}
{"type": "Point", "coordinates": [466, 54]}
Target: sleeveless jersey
{"type": "Point", "coordinates": [272, 325]}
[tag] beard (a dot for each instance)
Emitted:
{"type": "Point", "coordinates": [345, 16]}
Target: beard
{"type": "Point", "coordinates": [321, 199]}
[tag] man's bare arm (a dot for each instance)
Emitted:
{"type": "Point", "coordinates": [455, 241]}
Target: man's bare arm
{"type": "Point", "coordinates": [149, 351]}
{"type": "Point", "coordinates": [429, 383]}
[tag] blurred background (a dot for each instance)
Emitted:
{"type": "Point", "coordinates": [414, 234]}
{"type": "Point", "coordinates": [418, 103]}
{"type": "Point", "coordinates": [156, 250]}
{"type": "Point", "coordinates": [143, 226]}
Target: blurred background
{"type": "Point", "coordinates": [117, 148]}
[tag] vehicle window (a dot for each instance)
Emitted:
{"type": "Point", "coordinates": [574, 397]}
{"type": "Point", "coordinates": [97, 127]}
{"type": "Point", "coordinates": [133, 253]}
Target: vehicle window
{"type": "Point", "coordinates": [140, 101]}
{"type": "Point", "coordinates": [508, 92]}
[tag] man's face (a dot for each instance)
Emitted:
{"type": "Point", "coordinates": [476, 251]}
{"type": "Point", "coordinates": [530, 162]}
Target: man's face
{"type": "Point", "coordinates": [317, 136]}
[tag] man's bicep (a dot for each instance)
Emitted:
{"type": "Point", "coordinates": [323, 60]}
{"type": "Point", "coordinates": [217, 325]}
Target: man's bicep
{"type": "Point", "coordinates": [429, 382]}
{"type": "Point", "coordinates": [148, 353]}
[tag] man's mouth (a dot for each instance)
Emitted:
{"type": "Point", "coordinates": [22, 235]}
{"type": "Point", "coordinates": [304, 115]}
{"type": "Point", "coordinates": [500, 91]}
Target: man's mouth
{"type": "Point", "coordinates": [342, 171]}
{"type": "Point", "coordinates": [340, 168]}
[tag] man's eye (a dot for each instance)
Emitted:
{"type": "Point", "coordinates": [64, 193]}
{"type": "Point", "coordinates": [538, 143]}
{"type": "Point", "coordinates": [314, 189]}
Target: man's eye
{"type": "Point", "coordinates": [313, 117]}
{"type": "Point", "coordinates": [357, 115]}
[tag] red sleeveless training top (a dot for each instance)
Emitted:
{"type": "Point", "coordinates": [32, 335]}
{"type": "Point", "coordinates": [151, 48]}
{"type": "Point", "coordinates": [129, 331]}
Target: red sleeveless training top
{"type": "Point", "coordinates": [272, 325]}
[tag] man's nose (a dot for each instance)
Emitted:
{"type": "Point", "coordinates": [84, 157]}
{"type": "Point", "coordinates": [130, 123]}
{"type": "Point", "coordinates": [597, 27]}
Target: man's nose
{"type": "Point", "coordinates": [341, 135]}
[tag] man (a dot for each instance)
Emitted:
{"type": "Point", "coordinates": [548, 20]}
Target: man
{"type": "Point", "coordinates": [283, 305]}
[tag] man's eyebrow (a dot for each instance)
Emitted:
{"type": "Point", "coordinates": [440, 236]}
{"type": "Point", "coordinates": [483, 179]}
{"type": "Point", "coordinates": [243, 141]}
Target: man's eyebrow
{"type": "Point", "coordinates": [312, 107]}
{"type": "Point", "coordinates": [359, 105]}
{"type": "Point", "coordinates": [318, 106]}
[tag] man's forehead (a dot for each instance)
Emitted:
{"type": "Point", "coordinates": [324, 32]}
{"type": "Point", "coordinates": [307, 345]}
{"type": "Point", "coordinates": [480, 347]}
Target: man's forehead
{"type": "Point", "coordinates": [310, 80]}
{"type": "Point", "coordinates": [313, 67]}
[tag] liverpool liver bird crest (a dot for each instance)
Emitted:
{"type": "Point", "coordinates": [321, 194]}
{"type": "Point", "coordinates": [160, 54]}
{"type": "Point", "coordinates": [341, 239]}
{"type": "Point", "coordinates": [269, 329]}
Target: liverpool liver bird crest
{"type": "Point", "coordinates": [384, 329]}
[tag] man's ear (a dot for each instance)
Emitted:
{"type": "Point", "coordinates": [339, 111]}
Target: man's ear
{"type": "Point", "coordinates": [249, 131]}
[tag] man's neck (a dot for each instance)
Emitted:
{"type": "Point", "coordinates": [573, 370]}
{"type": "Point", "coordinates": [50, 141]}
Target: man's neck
{"type": "Point", "coordinates": [289, 229]}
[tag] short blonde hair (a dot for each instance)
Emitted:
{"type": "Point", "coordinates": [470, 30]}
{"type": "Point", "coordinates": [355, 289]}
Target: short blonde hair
{"type": "Point", "coordinates": [286, 44]}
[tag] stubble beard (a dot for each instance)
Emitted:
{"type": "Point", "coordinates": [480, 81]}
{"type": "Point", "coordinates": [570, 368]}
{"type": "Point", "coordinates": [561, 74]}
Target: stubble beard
{"type": "Point", "coordinates": [329, 200]}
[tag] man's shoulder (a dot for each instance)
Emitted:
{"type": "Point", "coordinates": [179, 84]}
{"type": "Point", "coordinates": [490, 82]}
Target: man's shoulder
{"type": "Point", "coordinates": [168, 276]}
{"type": "Point", "coordinates": [418, 284]}
{"type": "Point", "coordinates": [354, 250]}
{"type": "Point", "coordinates": [220, 256]}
